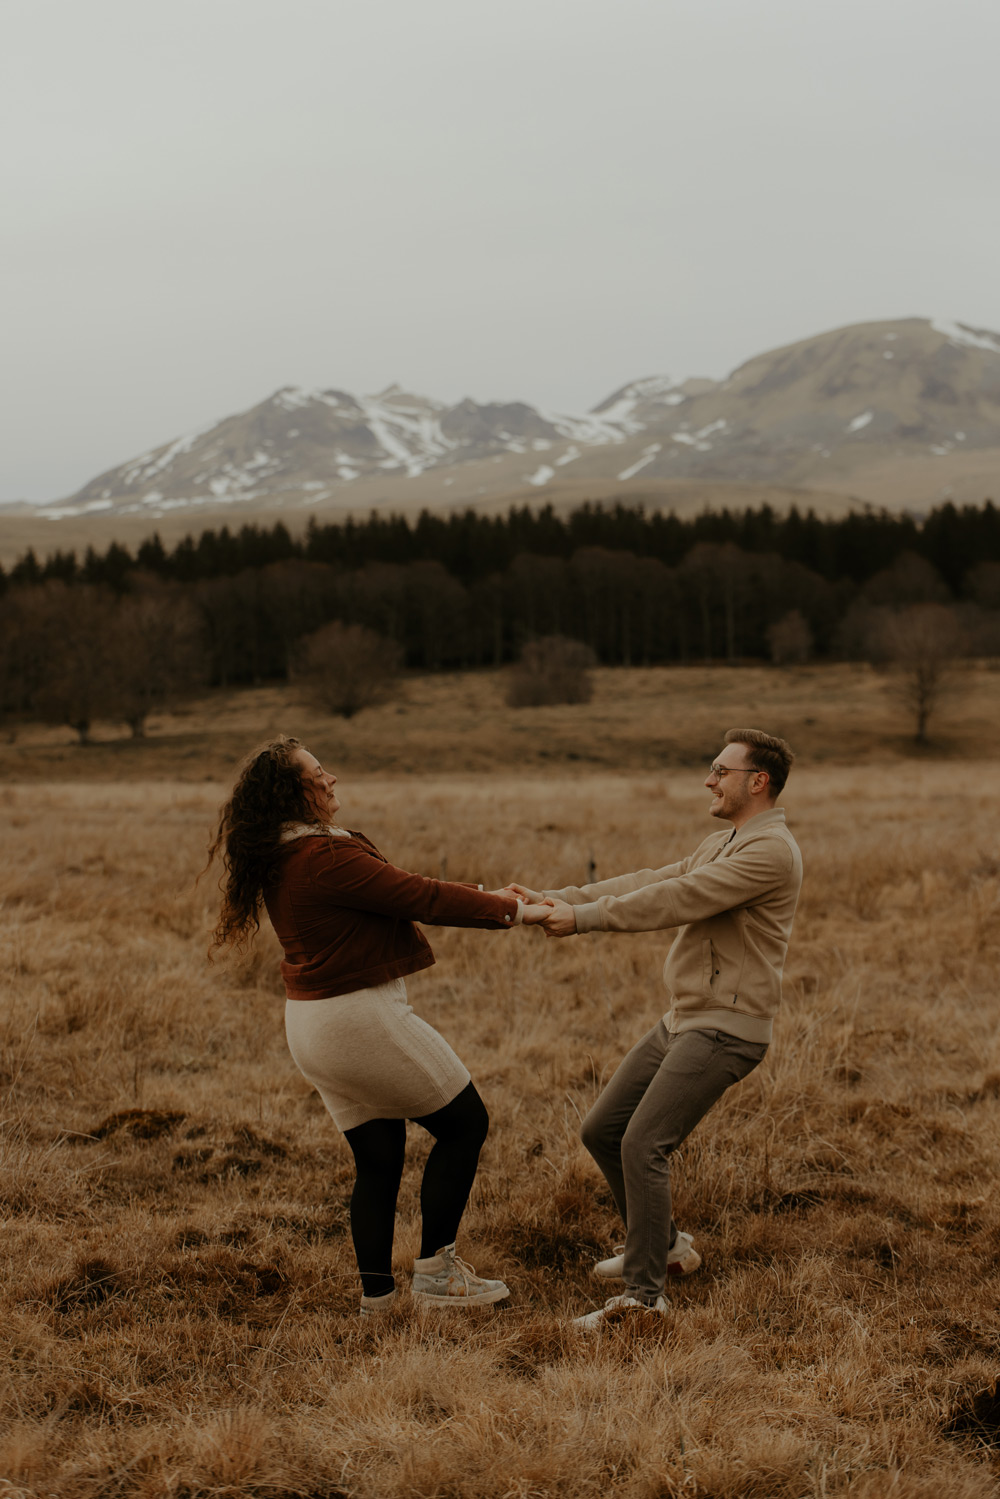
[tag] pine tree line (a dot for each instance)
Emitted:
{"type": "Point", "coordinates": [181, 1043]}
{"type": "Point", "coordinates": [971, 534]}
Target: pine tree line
{"type": "Point", "coordinates": [471, 546]}
{"type": "Point", "coordinates": [120, 635]}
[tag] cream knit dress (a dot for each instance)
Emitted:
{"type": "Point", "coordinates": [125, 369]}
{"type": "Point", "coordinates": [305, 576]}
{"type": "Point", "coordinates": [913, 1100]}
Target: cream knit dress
{"type": "Point", "coordinates": [367, 1054]}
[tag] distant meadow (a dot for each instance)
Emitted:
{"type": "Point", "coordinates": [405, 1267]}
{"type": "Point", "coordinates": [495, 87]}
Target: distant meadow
{"type": "Point", "coordinates": [180, 1297]}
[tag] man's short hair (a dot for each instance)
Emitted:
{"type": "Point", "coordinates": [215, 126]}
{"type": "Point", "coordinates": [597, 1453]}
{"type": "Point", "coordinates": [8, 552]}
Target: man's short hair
{"type": "Point", "coordinates": [767, 753]}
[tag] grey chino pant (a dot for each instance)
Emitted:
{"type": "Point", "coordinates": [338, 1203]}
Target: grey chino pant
{"type": "Point", "coordinates": [668, 1081]}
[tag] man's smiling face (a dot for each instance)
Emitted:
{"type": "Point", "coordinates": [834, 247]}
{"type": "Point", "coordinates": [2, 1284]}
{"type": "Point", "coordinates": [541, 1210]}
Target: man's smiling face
{"type": "Point", "coordinates": [729, 781]}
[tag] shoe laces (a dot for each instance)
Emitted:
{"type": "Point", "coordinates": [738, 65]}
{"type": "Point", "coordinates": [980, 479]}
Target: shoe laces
{"type": "Point", "coordinates": [465, 1269]}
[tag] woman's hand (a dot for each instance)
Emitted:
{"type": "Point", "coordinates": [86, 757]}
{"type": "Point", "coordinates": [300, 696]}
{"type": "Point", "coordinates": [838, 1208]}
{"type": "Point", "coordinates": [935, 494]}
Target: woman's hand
{"type": "Point", "coordinates": [533, 897]}
{"type": "Point", "coordinates": [555, 917]}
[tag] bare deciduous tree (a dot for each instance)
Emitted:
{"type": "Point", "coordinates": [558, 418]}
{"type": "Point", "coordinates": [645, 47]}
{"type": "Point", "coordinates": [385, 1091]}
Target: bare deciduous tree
{"type": "Point", "coordinates": [910, 579]}
{"type": "Point", "coordinates": [344, 668]}
{"type": "Point", "coordinates": [156, 654]}
{"type": "Point", "coordinates": [70, 655]}
{"type": "Point", "coordinates": [921, 648]}
{"type": "Point", "coordinates": [982, 584]}
{"type": "Point", "coordinates": [551, 670]}
{"type": "Point", "coordinates": [715, 581]}
{"type": "Point", "coordinates": [981, 615]}
{"type": "Point", "coordinates": [76, 632]}
{"type": "Point", "coordinates": [790, 639]}
{"type": "Point", "coordinates": [296, 597]}
{"type": "Point", "coordinates": [24, 652]}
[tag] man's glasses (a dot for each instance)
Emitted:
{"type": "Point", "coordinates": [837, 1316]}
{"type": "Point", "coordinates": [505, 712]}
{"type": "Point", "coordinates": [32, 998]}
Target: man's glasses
{"type": "Point", "coordinates": [721, 771]}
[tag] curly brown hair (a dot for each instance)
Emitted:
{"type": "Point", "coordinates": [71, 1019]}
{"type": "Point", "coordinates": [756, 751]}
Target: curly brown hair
{"type": "Point", "coordinates": [269, 792]}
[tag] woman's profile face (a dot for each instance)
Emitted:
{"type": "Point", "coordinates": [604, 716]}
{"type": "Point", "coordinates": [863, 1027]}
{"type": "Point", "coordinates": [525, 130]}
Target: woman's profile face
{"type": "Point", "coordinates": [322, 800]}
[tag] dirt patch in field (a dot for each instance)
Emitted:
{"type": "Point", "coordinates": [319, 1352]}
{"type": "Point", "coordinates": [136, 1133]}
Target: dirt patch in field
{"type": "Point", "coordinates": [91, 1283]}
{"type": "Point", "coordinates": [138, 1124]}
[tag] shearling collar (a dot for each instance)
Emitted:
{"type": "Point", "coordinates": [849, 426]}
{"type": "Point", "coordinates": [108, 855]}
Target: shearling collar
{"type": "Point", "coordinates": [293, 830]}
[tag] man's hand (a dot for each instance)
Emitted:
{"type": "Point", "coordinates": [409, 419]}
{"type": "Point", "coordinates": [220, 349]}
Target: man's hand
{"type": "Point", "coordinates": [555, 917]}
{"type": "Point", "coordinates": [534, 897]}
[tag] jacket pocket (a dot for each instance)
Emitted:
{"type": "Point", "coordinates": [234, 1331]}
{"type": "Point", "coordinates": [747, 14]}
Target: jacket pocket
{"type": "Point", "coordinates": [710, 967]}
{"type": "Point", "coordinates": [741, 927]}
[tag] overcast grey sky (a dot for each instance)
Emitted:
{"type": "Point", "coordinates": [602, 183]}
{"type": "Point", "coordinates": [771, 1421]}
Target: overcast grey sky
{"type": "Point", "coordinates": [537, 199]}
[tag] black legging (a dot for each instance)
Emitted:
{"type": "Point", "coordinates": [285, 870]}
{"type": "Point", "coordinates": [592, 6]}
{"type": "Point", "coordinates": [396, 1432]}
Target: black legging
{"type": "Point", "coordinates": [459, 1130]}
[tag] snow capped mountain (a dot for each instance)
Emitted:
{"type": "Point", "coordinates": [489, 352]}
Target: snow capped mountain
{"type": "Point", "coordinates": [313, 440]}
{"type": "Point", "coordinates": [811, 413]}
{"type": "Point", "coordinates": [644, 402]}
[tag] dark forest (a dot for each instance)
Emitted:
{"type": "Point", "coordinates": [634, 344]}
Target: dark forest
{"type": "Point", "coordinates": [466, 590]}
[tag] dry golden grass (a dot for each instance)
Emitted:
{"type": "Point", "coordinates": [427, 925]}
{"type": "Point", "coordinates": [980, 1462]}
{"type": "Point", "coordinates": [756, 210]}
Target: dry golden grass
{"type": "Point", "coordinates": [639, 719]}
{"type": "Point", "coordinates": [179, 1295]}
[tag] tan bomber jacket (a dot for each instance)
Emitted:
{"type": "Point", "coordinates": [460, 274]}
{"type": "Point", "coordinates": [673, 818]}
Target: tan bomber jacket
{"type": "Point", "coordinates": [734, 900]}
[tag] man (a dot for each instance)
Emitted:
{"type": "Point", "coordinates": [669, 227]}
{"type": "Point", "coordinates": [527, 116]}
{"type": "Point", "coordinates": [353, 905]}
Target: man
{"type": "Point", "coordinates": [733, 900]}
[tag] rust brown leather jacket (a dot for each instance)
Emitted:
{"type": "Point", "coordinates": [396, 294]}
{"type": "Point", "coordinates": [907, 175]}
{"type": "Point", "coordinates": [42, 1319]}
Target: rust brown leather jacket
{"type": "Point", "coordinates": [344, 915]}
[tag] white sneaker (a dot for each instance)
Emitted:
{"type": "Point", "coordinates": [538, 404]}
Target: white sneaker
{"type": "Point", "coordinates": [445, 1280]}
{"type": "Point", "coordinates": [597, 1321]}
{"type": "Point", "coordinates": [682, 1259]}
{"type": "Point", "coordinates": [374, 1306]}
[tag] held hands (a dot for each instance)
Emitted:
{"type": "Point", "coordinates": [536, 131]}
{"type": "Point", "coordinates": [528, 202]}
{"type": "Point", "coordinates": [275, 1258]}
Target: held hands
{"type": "Point", "coordinates": [555, 917]}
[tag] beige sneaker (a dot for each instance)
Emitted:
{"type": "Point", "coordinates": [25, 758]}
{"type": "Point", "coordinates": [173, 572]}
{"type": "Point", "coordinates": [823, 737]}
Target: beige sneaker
{"type": "Point", "coordinates": [375, 1306]}
{"type": "Point", "coordinates": [445, 1280]}
{"type": "Point", "coordinates": [682, 1259]}
{"type": "Point", "coordinates": [617, 1310]}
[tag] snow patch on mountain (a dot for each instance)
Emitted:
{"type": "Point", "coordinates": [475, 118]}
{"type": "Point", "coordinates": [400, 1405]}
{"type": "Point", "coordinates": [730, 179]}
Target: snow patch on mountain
{"type": "Point", "coordinates": [647, 457]}
{"type": "Point", "coordinates": [699, 439]}
{"type": "Point", "coordinates": [969, 338]}
{"type": "Point", "coordinates": [148, 465]}
{"type": "Point", "coordinates": [590, 428]}
{"type": "Point", "coordinates": [91, 507]}
{"type": "Point", "coordinates": [295, 397]}
{"type": "Point", "coordinates": [623, 408]}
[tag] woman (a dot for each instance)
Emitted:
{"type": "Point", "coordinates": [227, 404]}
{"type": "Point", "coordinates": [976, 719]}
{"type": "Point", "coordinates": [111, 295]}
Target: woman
{"type": "Point", "coordinates": [344, 917]}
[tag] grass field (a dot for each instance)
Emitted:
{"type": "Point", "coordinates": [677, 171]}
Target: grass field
{"type": "Point", "coordinates": [639, 720]}
{"type": "Point", "coordinates": [178, 1310]}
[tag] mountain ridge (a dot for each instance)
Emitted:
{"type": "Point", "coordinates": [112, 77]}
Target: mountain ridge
{"type": "Point", "coordinates": [819, 415]}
